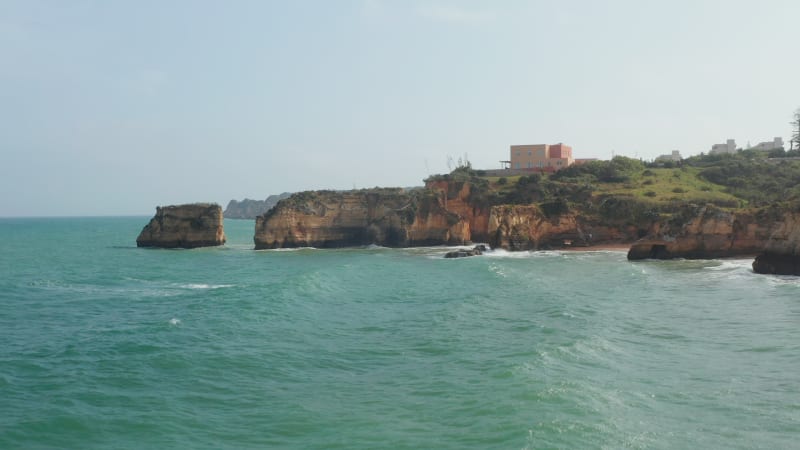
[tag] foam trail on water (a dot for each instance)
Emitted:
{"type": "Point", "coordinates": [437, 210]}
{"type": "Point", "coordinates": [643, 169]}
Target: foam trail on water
{"type": "Point", "coordinates": [205, 286]}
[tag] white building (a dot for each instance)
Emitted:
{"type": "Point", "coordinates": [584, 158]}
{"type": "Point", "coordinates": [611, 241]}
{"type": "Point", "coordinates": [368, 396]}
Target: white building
{"type": "Point", "coordinates": [771, 145]}
{"type": "Point", "coordinates": [728, 147]}
{"type": "Point", "coordinates": [674, 156]}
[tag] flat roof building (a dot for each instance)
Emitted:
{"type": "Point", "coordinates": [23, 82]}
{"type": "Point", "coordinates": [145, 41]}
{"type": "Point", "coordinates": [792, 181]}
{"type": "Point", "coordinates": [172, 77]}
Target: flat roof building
{"type": "Point", "coordinates": [541, 157]}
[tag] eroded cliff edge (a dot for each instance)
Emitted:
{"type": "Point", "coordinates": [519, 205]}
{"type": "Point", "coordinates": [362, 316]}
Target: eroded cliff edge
{"type": "Point", "coordinates": [442, 213]}
{"type": "Point", "coordinates": [707, 232]}
{"type": "Point", "coordinates": [386, 217]}
{"type": "Point", "coordinates": [781, 255]}
{"type": "Point", "coordinates": [184, 226]}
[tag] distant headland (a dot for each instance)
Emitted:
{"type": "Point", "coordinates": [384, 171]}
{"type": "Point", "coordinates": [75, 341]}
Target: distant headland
{"type": "Point", "coordinates": [250, 209]}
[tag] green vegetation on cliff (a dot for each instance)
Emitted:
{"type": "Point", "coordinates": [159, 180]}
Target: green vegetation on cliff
{"type": "Point", "coordinates": [751, 176]}
{"type": "Point", "coordinates": [626, 190]}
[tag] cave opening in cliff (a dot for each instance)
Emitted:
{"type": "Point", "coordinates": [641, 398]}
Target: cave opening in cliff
{"type": "Point", "coordinates": [659, 251]}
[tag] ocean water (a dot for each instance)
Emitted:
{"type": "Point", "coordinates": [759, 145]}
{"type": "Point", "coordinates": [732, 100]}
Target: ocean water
{"type": "Point", "coordinates": [103, 345]}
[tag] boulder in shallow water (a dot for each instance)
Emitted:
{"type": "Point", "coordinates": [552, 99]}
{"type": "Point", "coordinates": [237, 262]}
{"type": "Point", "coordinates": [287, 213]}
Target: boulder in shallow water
{"type": "Point", "coordinates": [184, 226]}
{"type": "Point", "coordinates": [463, 253]}
{"type": "Point", "coordinates": [776, 264]}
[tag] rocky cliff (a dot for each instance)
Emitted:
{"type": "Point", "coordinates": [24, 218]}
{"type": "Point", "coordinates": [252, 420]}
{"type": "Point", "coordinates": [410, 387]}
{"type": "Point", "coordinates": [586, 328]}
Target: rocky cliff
{"type": "Point", "coordinates": [184, 226]}
{"type": "Point", "coordinates": [706, 232]}
{"type": "Point", "coordinates": [386, 217]}
{"type": "Point", "coordinates": [445, 212]}
{"type": "Point", "coordinates": [529, 227]}
{"type": "Point", "coordinates": [250, 209]}
{"type": "Point", "coordinates": [463, 200]}
{"type": "Point", "coordinates": [781, 253]}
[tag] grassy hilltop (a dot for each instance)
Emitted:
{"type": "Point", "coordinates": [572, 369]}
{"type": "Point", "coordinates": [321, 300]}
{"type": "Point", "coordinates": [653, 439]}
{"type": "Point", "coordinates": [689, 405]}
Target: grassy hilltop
{"type": "Point", "coordinates": [630, 190]}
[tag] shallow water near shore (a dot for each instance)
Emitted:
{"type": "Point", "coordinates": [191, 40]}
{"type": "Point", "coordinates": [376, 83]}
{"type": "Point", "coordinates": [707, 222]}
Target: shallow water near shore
{"type": "Point", "coordinates": [105, 345]}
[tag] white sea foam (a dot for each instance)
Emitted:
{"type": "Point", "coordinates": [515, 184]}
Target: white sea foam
{"type": "Point", "coordinates": [497, 270]}
{"type": "Point", "coordinates": [294, 249]}
{"type": "Point", "coordinates": [731, 264]}
{"type": "Point", "coordinates": [174, 321]}
{"type": "Point", "coordinates": [500, 253]}
{"type": "Point", "coordinates": [205, 286]}
{"type": "Point", "coordinates": [376, 247]}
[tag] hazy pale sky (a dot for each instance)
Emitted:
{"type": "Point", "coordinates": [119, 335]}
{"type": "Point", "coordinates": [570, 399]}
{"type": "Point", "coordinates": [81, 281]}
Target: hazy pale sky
{"type": "Point", "coordinates": [115, 107]}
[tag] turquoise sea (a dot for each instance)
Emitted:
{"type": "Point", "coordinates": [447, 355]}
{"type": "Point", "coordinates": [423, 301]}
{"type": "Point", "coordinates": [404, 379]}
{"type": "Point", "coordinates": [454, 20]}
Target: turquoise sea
{"type": "Point", "coordinates": [103, 345]}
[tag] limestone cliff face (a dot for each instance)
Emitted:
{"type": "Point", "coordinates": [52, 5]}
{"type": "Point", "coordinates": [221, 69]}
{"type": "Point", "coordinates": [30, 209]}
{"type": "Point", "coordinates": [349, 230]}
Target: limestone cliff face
{"type": "Point", "coordinates": [526, 228]}
{"type": "Point", "coordinates": [387, 217]}
{"type": "Point", "coordinates": [445, 212]}
{"type": "Point", "coordinates": [184, 226]}
{"type": "Point", "coordinates": [515, 227]}
{"type": "Point", "coordinates": [457, 198]}
{"type": "Point", "coordinates": [781, 254]}
{"type": "Point", "coordinates": [705, 232]}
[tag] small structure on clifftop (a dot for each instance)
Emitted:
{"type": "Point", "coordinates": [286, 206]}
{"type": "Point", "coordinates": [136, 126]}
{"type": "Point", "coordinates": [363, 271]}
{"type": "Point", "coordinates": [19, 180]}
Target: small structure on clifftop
{"type": "Point", "coordinates": [184, 226]}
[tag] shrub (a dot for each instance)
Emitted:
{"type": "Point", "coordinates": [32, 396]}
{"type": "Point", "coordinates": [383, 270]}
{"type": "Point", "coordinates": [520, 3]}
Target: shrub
{"type": "Point", "coordinates": [679, 190]}
{"type": "Point", "coordinates": [502, 181]}
{"type": "Point", "coordinates": [650, 194]}
{"type": "Point", "coordinates": [555, 208]}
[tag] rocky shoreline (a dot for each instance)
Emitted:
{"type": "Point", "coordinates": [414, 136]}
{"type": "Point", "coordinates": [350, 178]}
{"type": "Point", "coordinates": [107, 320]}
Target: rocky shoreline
{"type": "Point", "coordinates": [444, 214]}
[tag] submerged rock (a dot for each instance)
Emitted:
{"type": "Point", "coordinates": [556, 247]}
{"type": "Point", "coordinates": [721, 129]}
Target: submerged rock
{"type": "Point", "coordinates": [184, 226]}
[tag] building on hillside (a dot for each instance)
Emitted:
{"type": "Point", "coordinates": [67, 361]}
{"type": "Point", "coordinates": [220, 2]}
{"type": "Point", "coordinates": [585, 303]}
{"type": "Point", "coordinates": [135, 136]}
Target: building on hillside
{"type": "Point", "coordinates": [675, 156]}
{"type": "Point", "coordinates": [770, 145]}
{"type": "Point", "coordinates": [728, 147]}
{"type": "Point", "coordinates": [541, 157]}
{"type": "Point", "coordinates": [579, 161]}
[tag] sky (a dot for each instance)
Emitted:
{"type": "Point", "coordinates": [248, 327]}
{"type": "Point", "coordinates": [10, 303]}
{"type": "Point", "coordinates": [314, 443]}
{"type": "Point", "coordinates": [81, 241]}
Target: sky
{"type": "Point", "coordinates": [115, 107]}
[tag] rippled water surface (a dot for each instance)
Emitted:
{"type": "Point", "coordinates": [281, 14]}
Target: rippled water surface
{"type": "Point", "coordinates": [103, 345]}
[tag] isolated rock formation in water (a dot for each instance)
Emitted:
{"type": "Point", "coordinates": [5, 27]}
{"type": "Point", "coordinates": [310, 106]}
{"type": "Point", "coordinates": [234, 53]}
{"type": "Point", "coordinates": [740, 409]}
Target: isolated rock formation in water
{"type": "Point", "coordinates": [465, 253]}
{"type": "Point", "coordinates": [184, 226]}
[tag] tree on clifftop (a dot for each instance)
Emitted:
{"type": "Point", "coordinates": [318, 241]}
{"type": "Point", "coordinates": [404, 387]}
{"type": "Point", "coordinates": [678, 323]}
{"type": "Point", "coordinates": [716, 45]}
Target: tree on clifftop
{"type": "Point", "coordinates": [795, 139]}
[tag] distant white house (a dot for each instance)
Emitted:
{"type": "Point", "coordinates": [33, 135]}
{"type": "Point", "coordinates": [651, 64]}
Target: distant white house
{"type": "Point", "coordinates": [770, 145]}
{"type": "Point", "coordinates": [728, 147]}
{"type": "Point", "coordinates": [674, 156]}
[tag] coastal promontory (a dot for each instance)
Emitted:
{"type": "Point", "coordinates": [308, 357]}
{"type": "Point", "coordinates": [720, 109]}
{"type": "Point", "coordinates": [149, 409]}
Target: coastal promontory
{"type": "Point", "coordinates": [709, 206]}
{"type": "Point", "coordinates": [184, 226]}
{"type": "Point", "coordinates": [250, 209]}
{"type": "Point", "coordinates": [387, 217]}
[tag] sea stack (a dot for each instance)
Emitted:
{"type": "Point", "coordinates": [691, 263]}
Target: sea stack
{"type": "Point", "coordinates": [184, 226]}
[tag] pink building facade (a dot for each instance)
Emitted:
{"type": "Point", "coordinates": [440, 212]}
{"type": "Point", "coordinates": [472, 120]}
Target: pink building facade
{"type": "Point", "coordinates": [541, 157]}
